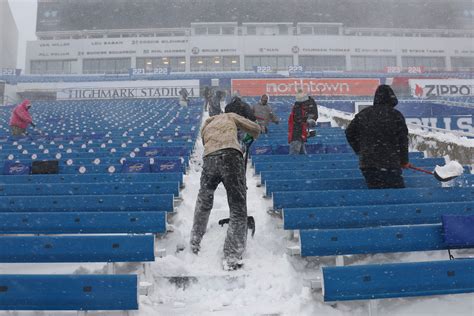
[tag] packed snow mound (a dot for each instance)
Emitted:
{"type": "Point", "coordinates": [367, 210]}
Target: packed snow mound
{"type": "Point", "coordinates": [451, 169]}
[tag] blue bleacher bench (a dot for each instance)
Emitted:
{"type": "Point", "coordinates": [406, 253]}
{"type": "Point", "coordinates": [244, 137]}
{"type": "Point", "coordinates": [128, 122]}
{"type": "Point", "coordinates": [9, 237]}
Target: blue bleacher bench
{"type": "Point", "coordinates": [366, 197]}
{"type": "Point", "coordinates": [321, 157]}
{"type": "Point", "coordinates": [113, 248]}
{"type": "Point", "coordinates": [88, 178]}
{"type": "Point", "coordinates": [88, 203]}
{"type": "Point", "coordinates": [68, 292]}
{"type": "Point", "coordinates": [340, 184]}
{"type": "Point", "coordinates": [376, 281]}
{"type": "Point", "coordinates": [371, 240]}
{"type": "Point", "coordinates": [89, 188]}
{"type": "Point", "coordinates": [82, 222]}
{"type": "Point", "coordinates": [372, 215]}
{"type": "Point", "coordinates": [318, 174]}
{"type": "Point", "coordinates": [338, 164]}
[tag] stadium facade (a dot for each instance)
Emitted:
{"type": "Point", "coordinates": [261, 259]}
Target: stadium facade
{"type": "Point", "coordinates": [113, 37]}
{"type": "Point", "coordinates": [8, 38]}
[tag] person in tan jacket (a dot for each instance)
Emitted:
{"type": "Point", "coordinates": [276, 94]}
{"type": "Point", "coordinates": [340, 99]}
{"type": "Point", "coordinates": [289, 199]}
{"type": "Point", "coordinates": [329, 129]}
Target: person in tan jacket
{"type": "Point", "coordinates": [224, 162]}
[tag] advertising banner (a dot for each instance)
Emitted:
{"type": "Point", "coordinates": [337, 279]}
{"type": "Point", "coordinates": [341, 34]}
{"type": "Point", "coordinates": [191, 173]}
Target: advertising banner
{"type": "Point", "coordinates": [128, 90]}
{"type": "Point", "coordinates": [315, 87]}
{"type": "Point", "coordinates": [429, 88]}
{"type": "Point", "coordinates": [452, 123]}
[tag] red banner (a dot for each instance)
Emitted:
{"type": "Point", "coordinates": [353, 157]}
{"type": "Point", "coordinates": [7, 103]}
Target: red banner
{"type": "Point", "coordinates": [314, 87]}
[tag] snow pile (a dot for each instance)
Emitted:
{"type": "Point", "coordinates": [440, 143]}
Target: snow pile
{"type": "Point", "coordinates": [451, 169]}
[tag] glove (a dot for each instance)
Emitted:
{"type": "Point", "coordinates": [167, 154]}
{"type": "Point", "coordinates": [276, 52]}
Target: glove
{"type": "Point", "coordinates": [33, 124]}
{"type": "Point", "coordinates": [405, 165]}
{"type": "Point", "coordinates": [311, 134]}
{"type": "Point", "coordinates": [247, 140]}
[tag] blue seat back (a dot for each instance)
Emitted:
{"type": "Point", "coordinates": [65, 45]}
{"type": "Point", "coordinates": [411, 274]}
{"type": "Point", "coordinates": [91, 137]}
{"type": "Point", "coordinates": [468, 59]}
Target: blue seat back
{"type": "Point", "coordinates": [136, 166]}
{"type": "Point", "coordinates": [459, 230]}
{"type": "Point", "coordinates": [16, 168]}
{"type": "Point", "coordinates": [167, 165]}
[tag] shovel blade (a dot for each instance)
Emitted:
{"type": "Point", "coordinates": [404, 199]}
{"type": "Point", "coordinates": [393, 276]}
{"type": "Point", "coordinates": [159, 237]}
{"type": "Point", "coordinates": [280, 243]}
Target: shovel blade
{"type": "Point", "coordinates": [439, 178]}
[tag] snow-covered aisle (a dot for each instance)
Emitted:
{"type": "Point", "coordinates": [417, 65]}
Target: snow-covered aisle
{"type": "Point", "coordinates": [267, 284]}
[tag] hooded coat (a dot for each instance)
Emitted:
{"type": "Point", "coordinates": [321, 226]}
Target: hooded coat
{"type": "Point", "coordinates": [240, 107]}
{"type": "Point", "coordinates": [378, 134]}
{"type": "Point", "coordinates": [20, 116]}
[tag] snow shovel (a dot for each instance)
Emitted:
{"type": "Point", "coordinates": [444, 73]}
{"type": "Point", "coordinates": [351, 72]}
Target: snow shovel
{"type": "Point", "coordinates": [435, 174]}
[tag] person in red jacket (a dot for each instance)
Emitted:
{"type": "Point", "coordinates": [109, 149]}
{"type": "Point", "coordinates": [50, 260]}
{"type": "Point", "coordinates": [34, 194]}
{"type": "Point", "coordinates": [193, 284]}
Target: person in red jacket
{"type": "Point", "coordinates": [297, 126]}
{"type": "Point", "coordinates": [21, 118]}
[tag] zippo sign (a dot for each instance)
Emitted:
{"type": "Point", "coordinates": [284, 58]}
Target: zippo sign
{"type": "Point", "coordinates": [441, 88]}
{"type": "Point", "coordinates": [315, 87]}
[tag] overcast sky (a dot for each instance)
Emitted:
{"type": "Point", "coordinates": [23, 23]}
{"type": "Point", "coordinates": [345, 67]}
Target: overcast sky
{"type": "Point", "coordinates": [24, 12]}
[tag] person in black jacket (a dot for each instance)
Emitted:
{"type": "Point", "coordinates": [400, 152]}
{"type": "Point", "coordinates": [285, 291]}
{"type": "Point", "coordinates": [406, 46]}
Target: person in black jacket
{"type": "Point", "coordinates": [379, 136]}
{"type": "Point", "coordinates": [237, 105]}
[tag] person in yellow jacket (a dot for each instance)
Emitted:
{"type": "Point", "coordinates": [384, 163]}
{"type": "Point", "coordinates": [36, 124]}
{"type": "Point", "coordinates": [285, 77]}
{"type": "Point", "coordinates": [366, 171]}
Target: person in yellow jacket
{"type": "Point", "coordinates": [224, 162]}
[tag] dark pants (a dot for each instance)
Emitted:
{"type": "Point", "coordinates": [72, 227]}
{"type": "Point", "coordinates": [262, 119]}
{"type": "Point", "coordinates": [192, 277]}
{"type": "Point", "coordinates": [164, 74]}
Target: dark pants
{"type": "Point", "coordinates": [383, 178]}
{"type": "Point", "coordinates": [297, 147]}
{"type": "Point", "coordinates": [226, 166]}
{"type": "Point", "coordinates": [17, 131]}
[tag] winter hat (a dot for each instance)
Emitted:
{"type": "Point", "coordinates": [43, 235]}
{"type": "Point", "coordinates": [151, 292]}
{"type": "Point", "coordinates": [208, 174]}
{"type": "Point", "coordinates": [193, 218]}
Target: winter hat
{"type": "Point", "coordinates": [384, 95]}
{"type": "Point", "coordinates": [301, 96]}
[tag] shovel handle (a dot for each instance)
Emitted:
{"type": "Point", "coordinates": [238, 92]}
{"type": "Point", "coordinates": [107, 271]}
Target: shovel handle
{"type": "Point", "coordinates": [419, 169]}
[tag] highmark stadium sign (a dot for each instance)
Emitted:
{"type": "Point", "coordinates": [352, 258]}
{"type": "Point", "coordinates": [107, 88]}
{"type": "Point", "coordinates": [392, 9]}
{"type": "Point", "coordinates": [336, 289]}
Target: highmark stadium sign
{"type": "Point", "coordinates": [159, 89]}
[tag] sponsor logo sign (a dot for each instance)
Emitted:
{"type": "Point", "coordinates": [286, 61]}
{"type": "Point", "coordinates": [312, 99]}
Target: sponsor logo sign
{"type": "Point", "coordinates": [323, 87]}
{"type": "Point", "coordinates": [263, 150]}
{"type": "Point", "coordinates": [151, 153]}
{"type": "Point", "coordinates": [136, 167]}
{"type": "Point", "coordinates": [425, 88]}
{"type": "Point", "coordinates": [17, 169]}
{"type": "Point", "coordinates": [453, 123]}
{"type": "Point", "coordinates": [167, 166]}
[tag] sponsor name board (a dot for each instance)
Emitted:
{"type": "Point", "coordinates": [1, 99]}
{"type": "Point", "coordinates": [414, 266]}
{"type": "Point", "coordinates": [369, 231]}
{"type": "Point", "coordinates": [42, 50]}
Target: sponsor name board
{"type": "Point", "coordinates": [428, 88]}
{"type": "Point", "coordinates": [153, 89]}
{"type": "Point", "coordinates": [322, 87]}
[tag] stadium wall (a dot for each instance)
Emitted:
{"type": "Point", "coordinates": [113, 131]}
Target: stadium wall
{"type": "Point", "coordinates": [238, 53]}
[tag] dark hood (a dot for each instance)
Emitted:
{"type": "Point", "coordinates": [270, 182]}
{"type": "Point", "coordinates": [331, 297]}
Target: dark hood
{"type": "Point", "coordinates": [385, 96]}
